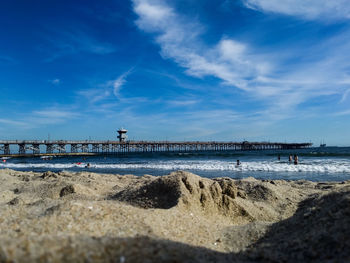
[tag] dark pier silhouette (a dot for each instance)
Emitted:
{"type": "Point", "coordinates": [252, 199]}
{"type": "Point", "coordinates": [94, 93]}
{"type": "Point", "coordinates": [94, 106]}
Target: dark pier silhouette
{"type": "Point", "coordinates": [70, 147]}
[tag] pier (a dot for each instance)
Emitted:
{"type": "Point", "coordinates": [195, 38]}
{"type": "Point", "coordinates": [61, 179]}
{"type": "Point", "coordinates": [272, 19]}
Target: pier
{"type": "Point", "coordinates": [70, 147]}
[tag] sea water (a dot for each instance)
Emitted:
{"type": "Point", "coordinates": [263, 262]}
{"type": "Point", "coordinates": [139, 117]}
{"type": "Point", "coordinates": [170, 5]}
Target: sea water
{"type": "Point", "coordinates": [316, 164]}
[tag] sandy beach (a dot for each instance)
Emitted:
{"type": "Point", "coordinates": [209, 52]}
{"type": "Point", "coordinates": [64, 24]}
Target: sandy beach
{"type": "Point", "coordinates": [181, 217]}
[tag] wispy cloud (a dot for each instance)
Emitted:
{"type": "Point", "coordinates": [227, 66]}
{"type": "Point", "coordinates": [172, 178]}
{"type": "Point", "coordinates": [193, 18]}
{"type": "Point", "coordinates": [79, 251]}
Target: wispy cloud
{"type": "Point", "coordinates": [264, 76]}
{"type": "Point", "coordinates": [51, 116]}
{"type": "Point", "coordinates": [197, 124]}
{"type": "Point", "coordinates": [72, 42]}
{"type": "Point", "coordinates": [345, 96]}
{"type": "Point", "coordinates": [37, 118]}
{"type": "Point", "coordinates": [55, 114]}
{"type": "Point", "coordinates": [308, 9]}
{"type": "Point", "coordinates": [96, 94]}
{"type": "Point", "coordinates": [55, 82]}
{"type": "Point", "coordinates": [104, 91]}
{"type": "Point", "coordinates": [179, 39]}
{"type": "Point", "coordinates": [183, 102]}
{"type": "Point", "coordinates": [342, 113]}
{"type": "Point", "coordinates": [118, 83]}
{"type": "Point", "coordinates": [22, 124]}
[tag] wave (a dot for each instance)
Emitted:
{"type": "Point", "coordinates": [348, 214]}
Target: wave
{"type": "Point", "coordinates": [324, 166]}
{"type": "Point", "coordinates": [312, 152]}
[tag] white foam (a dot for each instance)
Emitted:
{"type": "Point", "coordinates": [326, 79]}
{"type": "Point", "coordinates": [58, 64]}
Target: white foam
{"type": "Point", "coordinates": [38, 165]}
{"type": "Point", "coordinates": [314, 166]}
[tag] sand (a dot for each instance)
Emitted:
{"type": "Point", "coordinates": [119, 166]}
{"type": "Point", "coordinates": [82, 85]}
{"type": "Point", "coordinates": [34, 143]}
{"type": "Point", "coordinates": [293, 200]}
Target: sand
{"type": "Point", "coordinates": [181, 217]}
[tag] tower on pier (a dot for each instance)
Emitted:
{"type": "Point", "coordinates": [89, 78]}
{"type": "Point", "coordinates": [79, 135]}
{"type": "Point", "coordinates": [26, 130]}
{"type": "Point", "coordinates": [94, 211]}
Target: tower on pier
{"type": "Point", "coordinates": [122, 135]}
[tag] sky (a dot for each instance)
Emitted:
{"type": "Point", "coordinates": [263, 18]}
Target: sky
{"type": "Point", "coordinates": [223, 70]}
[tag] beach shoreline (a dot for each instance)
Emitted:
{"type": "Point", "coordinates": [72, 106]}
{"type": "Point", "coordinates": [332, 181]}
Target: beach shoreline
{"type": "Point", "coordinates": [181, 217]}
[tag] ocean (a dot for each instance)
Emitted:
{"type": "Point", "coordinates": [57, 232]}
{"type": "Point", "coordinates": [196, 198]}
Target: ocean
{"type": "Point", "coordinates": [315, 164]}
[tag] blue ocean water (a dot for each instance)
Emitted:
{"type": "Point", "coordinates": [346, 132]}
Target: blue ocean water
{"type": "Point", "coordinates": [316, 164]}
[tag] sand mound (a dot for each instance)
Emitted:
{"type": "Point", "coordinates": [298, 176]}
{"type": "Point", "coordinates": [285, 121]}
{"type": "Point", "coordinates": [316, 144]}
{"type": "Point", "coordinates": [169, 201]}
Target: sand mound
{"type": "Point", "coordinates": [163, 192]}
{"type": "Point", "coordinates": [181, 217]}
{"type": "Point", "coordinates": [240, 201]}
{"type": "Point", "coordinates": [185, 190]}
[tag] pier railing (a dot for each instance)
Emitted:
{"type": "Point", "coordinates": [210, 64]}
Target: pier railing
{"type": "Point", "coordinates": [49, 147]}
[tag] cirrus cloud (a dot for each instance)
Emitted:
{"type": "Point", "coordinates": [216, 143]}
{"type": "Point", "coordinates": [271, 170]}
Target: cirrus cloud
{"type": "Point", "coordinates": [265, 76]}
{"type": "Point", "coordinates": [179, 39]}
{"type": "Point", "coordinates": [309, 9]}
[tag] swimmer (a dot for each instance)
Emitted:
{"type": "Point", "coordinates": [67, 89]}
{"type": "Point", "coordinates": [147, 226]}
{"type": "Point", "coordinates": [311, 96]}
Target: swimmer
{"type": "Point", "coordinates": [290, 158]}
{"type": "Point", "coordinates": [238, 163]}
{"type": "Point", "coordinates": [296, 159]}
{"type": "Point", "coordinates": [279, 157]}
{"type": "Point", "coordinates": [88, 165]}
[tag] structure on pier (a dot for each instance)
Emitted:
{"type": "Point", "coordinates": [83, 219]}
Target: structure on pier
{"type": "Point", "coordinates": [122, 135]}
{"type": "Point", "coordinates": [23, 148]}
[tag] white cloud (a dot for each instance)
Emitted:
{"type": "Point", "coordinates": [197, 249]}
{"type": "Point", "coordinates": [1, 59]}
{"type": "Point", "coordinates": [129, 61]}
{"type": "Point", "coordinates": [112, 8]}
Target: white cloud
{"type": "Point", "coordinates": [182, 102]}
{"type": "Point", "coordinates": [55, 82]}
{"type": "Point", "coordinates": [95, 95]}
{"type": "Point", "coordinates": [309, 9]}
{"type": "Point", "coordinates": [105, 91]}
{"type": "Point", "coordinates": [342, 113]}
{"type": "Point", "coordinates": [153, 14]}
{"type": "Point", "coordinates": [118, 83]}
{"type": "Point", "coordinates": [13, 122]}
{"type": "Point", "coordinates": [55, 114]}
{"type": "Point", "coordinates": [345, 96]}
{"type": "Point", "coordinates": [178, 38]}
{"type": "Point", "coordinates": [47, 116]}
{"type": "Point", "coordinates": [267, 77]}
{"type": "Point", "coordinates": [37, 118]}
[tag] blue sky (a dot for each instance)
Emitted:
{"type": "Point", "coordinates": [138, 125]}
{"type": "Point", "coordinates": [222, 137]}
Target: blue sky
{"type": "Point", "coordinates": [258, 70]}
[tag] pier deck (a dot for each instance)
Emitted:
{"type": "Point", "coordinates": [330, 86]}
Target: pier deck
{"type": "Point", "coordinates": [72, 147]}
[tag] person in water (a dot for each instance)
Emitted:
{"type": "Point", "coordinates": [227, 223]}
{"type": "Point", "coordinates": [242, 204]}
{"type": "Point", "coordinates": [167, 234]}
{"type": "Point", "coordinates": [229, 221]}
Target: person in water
{"type": "Point", "coordinates": [279, 157]}
{"type": "Point", "coordinates": [290, 158]}
{"type": "Point", "coordinates": [296, 159]}
{"type": "Point", "coordinates": [88, 165]}
{"type": "Point", "coordinates": [238, 162]}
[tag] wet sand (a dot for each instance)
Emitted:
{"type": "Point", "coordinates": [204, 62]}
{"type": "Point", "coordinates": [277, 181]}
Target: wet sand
{"type": "Point", "coordinates": [181, 217]}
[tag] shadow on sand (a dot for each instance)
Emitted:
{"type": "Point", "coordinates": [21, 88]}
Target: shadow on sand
{"type": "Point", "coordinates": [319, 231]}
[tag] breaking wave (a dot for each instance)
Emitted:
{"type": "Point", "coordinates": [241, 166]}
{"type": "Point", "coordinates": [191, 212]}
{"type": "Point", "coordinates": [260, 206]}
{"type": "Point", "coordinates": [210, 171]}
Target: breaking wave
{"type": "Point", "coordinates": [314, 166]}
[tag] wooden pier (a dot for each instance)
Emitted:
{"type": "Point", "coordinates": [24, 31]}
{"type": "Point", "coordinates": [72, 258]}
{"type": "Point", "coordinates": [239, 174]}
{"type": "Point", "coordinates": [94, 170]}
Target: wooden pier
{"type": "Point", "coordinates": [68, 147]}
